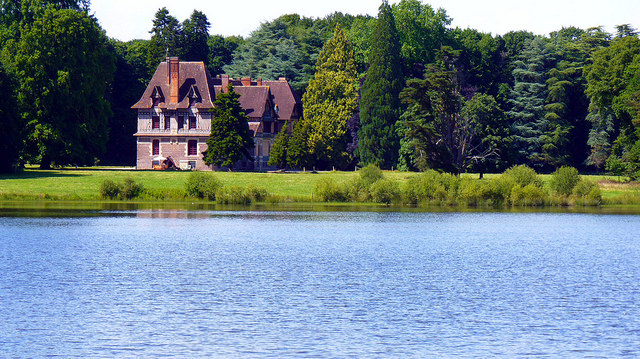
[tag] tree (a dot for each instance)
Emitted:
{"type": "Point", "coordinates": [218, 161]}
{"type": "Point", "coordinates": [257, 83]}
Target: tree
{"type": "Point", "coordinates": [331, 100]}
{"type": "Point", "coordinates": [195, 36]}
{"type": "Point", "coordinates": [298, 153]}
{"type": "Point", "coordinates": [442, 130]}
{"type": "Point", "coordinates": [527, 102]}
{"type": "Point", "coordinates": [380, 105]}
{"type": "Point", "coordinates": [221, 51]}
{"type": "Point", "coordinates": [230, 139]}
{"type": "Point", "coordinates": [10, 122]}
{"type": "Point", "coordinates": [166, 38]}
{"type": "Point", "coordinates": [421, 32]}
{"type": "Point", "coordinates": [64, 69]}
{"type": "Point", "coordinates": [612, 88]}
{"type": "Point", "coordinates": [278, 154]}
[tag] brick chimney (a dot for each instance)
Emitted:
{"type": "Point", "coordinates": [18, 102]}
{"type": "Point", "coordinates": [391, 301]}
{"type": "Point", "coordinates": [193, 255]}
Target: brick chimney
{"type": "Point", "coordinates": [259, 82]}
{"type": "Point", "coordinates": [173, 72]}
{"type": "Point", "coordinates": [246, 81]}
{"type": "Point", "coordinates": [225, 83]}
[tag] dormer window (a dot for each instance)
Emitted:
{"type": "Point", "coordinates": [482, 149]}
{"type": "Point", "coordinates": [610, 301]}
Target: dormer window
{"type": "Point", "coordinates": [156, 96]}
{"type": "Point", "coordinates": [193, 95]}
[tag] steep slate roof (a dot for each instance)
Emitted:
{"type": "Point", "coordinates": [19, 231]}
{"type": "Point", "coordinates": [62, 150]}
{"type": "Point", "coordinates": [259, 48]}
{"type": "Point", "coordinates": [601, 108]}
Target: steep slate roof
{"type": "Point", "coordinates": [193, 78]}
{"type": "Point", "coordinates": [196, 82]}
{"type": "Point", "coordinates": [284, 97]}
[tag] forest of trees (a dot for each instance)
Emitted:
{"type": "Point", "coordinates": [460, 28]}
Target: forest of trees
{"type": "Point", "coordinates": [401, 90]}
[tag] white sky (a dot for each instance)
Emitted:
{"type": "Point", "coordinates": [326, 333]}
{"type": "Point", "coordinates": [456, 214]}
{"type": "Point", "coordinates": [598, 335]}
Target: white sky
{"type": "Point", "coordinates": [132, 19]}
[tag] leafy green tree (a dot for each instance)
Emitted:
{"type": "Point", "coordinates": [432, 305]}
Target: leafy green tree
{"type": "Point", "coordinates": [129, 81]}
{"type": "Point", "coordinates": [230, 139]}
{"type": "Point", "coordinates": [278, 154]}
{"type": "Point", "coordinates": [331, 100]}
{"type": "Point", "coordinates": [221, 51]}
{"type": "Point", "coordinates": [612, 86]}
{"type": "Point", "coordinates": [442, 130]}
{"type": "Point", "coordinates": [527, 102]}
{"type": "Point", "coordinates": [380, 105]}
{"type": "Point", "coordinates": [11, 123]}
{"type": "Point", "coordinates": [64, 68]}
{"type": "Point", "coordinates": [166, 39]}
{"type": "Point", "coordinates": [195, 36]}
{"type": "Point", "coordinates": [298, 152]}
{"type": "Point", "coordinates": [421, 32]}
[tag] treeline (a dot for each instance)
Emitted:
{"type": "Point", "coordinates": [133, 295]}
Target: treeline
{"type": "Point", "coordinates": [400, 90]}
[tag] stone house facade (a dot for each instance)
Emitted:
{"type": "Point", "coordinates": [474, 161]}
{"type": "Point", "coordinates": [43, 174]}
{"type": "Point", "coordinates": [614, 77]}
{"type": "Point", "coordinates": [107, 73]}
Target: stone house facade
{"type": "Point", "coordinates": [174, 115]}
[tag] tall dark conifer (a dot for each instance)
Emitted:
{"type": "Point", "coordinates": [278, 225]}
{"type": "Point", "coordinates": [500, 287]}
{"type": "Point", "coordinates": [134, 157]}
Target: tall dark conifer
{"type": "Point", "coordinates": [380, 104]}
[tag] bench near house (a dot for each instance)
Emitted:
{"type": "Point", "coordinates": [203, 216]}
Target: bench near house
{"type": "Point", "coordinates": [174, 115]}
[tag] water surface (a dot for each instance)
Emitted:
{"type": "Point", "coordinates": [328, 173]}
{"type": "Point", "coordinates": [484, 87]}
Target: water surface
{"type": "Point", "coordinates": [313, 284]}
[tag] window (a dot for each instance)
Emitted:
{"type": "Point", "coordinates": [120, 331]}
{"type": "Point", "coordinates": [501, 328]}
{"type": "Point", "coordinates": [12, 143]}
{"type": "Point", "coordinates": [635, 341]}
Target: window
{"type": "Point", "coordinates": [155, 147]}
{"type": "Point", "coordinates": [155, 122]}
{"type": "Point", "coordinates": [167, 123]}
{"type": "Point", "coordinates": [267, 127]}
{"type": "Point", "coordinates": [192, 149]}
{"type": "Point", "coordinates": [180, 122]}
{"type": "Point", "coordinates": [191, 165]}
{"type": "Point", "coordinates": [192, 122]}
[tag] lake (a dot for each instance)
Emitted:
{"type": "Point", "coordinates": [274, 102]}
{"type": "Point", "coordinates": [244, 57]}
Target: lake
{"type": "Point", "coordinates": [163, 283]}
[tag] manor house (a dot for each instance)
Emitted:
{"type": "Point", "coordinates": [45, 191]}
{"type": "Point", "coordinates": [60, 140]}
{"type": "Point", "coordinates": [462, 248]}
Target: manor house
{"type": "Point", "coordinates": [174, 115]}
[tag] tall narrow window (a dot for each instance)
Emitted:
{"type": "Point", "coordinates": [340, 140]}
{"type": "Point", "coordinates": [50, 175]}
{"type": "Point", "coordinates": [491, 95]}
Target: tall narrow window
{"type": "Point", "coordinates": [192, 122]}
{"type": "Point", "coordinates": [180, 122]}
{"type": "Point", "coordinates": [155, 147]}
{"type": "Point", "coordinates": [155, 122]}
{"type": "Point", "coordinates": [167, 123]}
{"type": "Point", "coordinates": [192, 147]}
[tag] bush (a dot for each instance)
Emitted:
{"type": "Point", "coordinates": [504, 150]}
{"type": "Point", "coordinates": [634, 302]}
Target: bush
{"type": "Point", "coordinates": [370, 174]}
{"type": "Point", "coordinates": [475, 192]}
{"type": "Point", "coordinates": [231, 195]}
{"type": "Point", "coordinates": [202, 185]}
{"type": "Point", "coordinates": [326, 190]}
{"type": "Point", "coordinates": [130, 189]}
{"type": "Point", "coordinates": [564, 179]}
{"type": "Point", "coordinates": [385, 191]}
{"type": "Point", "coordinates": [109, 189]}
{"type": "Point", "coordinates": [255, 194]}
{"type": "Point", "coordinates": [588, 190]}
{"type": "Point", "coordinates": [522, 176]}
{"type": "Point", "coordinates": [427, 186]}
{"type": "Point", "coordinates": [529, 195]}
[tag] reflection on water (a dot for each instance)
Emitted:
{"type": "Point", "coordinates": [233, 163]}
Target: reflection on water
{"type": "Point", "coordinates": [190, 283]}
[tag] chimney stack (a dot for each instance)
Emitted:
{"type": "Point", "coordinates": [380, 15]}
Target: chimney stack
{"type": "Point", "coordinates": [259, 82]}
{"type": "Point", "coordinates": [246, 81]}
{"type": "Point", "coordinates": [225, 83]}
{"type": "Point", "coordinates": [173, 64]}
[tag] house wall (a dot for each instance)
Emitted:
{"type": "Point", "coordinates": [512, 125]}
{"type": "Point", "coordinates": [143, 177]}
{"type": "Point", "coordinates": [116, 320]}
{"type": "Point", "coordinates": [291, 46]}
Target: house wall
{"type": "Point", "coordinates": [174, 147]}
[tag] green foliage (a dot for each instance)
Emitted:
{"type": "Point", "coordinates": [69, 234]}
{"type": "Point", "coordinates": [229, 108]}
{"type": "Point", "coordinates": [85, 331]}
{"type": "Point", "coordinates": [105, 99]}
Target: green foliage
{"type": "Point", "coordinates": [202, 185]}
{"type": "Point", "coordinates": [564, 180]}
{"type": "Point", "coordinates": [166, 39]}
{"type": "Point", "coordinates": [380, 104]}
{"type": "Point", "coordinates": [278, 154]}
{"type": "Point", "coordinates": [327, 190]}
{"type": "Point", "coordinates": [298, 152]}
{"type": "Point", "coordinates": [527, 102]}
{"type": "Point", "coordinates": [128, 189]}
{"type": "Point", "coordinates": [221, 51]}
{"type": "Point", "coordinates": [529, 195]}
{"type": "Point", "coordinates": [385, 191]}
{"type": "Point", "coordinates": [522, 175]}
{"type": "Point", "coordinates": [64, 67]}
{"type": "Point", "coordinates": [232, 195]}
{"type": "Point", "coordinates": [370, 174]}
{"type": "Point", "coordinates": [588, 189]}
{"type": "Point", "coordinates": [195, 36]}
{"type": "Point", "coordinates": [109, 189]}
{"type": "Point", "coordinates": [330, 102]}
{"type": "Point", "coordinates": [230, 137]}
{"type": "Point", "coordinates": [11, 124]}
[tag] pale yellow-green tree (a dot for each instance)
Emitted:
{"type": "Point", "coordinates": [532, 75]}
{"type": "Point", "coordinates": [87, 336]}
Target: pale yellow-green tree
{"type": "Point", "coordinates": [330, 101]}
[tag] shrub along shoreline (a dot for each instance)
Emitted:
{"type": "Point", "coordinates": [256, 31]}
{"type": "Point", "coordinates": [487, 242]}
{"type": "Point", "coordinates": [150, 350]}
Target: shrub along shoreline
{"type": "Point", "coordinates": [518, 187]}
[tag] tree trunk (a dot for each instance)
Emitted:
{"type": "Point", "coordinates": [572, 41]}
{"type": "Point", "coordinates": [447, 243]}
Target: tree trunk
{"type": "Point", "coordinates": [45, 163]}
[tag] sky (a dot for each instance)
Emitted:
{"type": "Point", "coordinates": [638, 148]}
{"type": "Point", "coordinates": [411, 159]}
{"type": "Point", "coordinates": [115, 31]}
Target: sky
{"type": "Point", "coordinates": [132, 19]}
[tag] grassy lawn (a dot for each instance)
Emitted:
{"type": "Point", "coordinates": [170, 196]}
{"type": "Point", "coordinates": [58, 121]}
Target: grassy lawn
{"type": "Point", "coordinates": [82, 184]}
